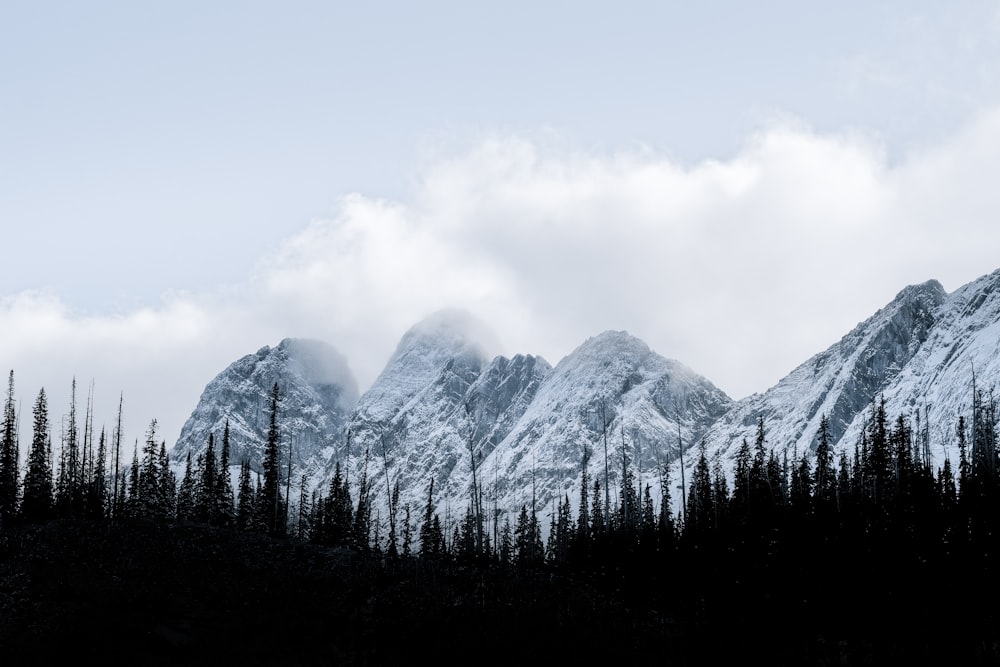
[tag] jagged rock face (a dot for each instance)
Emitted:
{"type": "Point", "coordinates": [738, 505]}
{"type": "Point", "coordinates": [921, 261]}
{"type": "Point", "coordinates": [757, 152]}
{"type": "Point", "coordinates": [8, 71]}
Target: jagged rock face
{"type": "Point", "coordinates": [500, 396]}
{"type": "Point", "coordinates": [446, 337]}
{"type": "Point", "coordinates": [317, 394]}
{"type": "Point", "coordinates": [437, 396]}
{"type": "Point", "coordinates": [514, 428]}
{"type": "Point", "coordinates": [839, 382]}
{"type": "Point", "coordinates": [918, 353]}
{"type": "Point", "coordinates": [937, 381]}
{"type": "Point", "coordinates": [612, 389]}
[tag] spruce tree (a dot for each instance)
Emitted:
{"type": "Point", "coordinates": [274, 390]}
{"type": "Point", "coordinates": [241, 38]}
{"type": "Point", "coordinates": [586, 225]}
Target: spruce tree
{"type": "Point", "coordinates": [407, 533]}
{"type": "Point", "coordinates": [149, 500]}
{"type": "Point", "coordinates": [97, 501]}
{"type": "Point", "coordinates": [741, 484]}
{"type": "Point", "coordinates": [245, 499]}
{"type": "Point", "coordinates": [132, 502]}
{"type": "Point", "coordinates": [167, 484]}
{"type": "Point", "coordinates": [205, 503]}
{"type": "Point", "coordinates": [583, 514]}
{"type": "Point", "coordinates": [224, 485]}
{"type": "Point", "coordinates": [185, 495]}
{"type": "Point", "coordinates": [37, 502]}
{"type": "Point", "coordinates": [270, 505]}
{"type": "Point", "coordinates": [597, 527]}
{"type": "Point", "coordinates": [8, 457]}
{"type": "Point", "coordinates": [825, 481]}
{"type": "Point", "coordinates": [428, 540]}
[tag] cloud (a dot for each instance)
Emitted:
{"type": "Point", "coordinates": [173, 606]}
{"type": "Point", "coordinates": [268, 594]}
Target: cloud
{"type": "Point", "coordinates": [741, 268]}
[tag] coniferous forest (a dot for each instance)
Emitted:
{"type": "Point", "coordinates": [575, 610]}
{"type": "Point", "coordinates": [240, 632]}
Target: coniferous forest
{"type": "Point", "coordinates": [868, 555]}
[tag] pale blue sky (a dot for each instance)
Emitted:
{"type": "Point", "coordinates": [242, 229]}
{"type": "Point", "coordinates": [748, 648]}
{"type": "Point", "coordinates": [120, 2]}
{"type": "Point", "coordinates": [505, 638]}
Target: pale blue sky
{"type": "Point", "coordinates": [157, 153]}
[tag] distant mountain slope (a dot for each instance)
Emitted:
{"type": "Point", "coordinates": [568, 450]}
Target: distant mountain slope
{"type": "Point", "coordinates": [839, 382]}
{"type": "Point", "coordinates": [613, 385]}
{"type": "Point", "coordinates": [438, 393]}
{"type": "Point", "coordinates": [918, 352]}
{"type": "Point", "coordinates": [443, 407]}
{"type": "Point", "coordinates": [317, 393]}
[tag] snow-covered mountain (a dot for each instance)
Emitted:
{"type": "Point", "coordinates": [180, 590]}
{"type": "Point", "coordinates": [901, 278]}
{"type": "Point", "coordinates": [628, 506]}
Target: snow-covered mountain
{"type": "Point", "coordinates": [317, 394]}
{"type": "Point", "coordinates": [839, 382]}
{"type": "Point", "coordinates": [523, 426]}
{"type": "Point", "coordinates": [611, 396]}
{"type": "Point", "coordinates": [438, 393]}
{"type": "Point", "coordinates": [443, 407]}
{"type": "Point", "coordinates": [918, 352]}
{"type": "Point", "coordinates": [937, 381]}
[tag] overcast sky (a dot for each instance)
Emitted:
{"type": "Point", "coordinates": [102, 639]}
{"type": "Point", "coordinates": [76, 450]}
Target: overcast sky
{"type": "Point", "coordinates": [182, 184]}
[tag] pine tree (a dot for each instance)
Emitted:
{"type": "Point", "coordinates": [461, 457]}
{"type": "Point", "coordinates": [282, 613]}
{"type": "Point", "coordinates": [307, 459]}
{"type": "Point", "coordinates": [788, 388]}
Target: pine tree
{"type": "Point", "coordinates": [524, 539]}
{"type": "Point", "coordinates": [245, 501]}
{"type": "Point", "coordinates": [118, 487]}
{"type": "Point", "coordinates": [37, 502]}
{"type": "Point", "coordinates": [946, 487]}
{"type": "Point", "coordinates": [149, 501]}
{"type": "Point", "coordinates": [583, 515]}
{"type": "Point", "coordinates": [339, 517]}
{"type": "Point", "coordinates": [648, 533]}
{"type": "Point", "coordinates": [302, 523]}
{"type": "Point", "coordinates": [963, 462]}
{"type": "Point", "coordinates": [506, 544]}
{"type": "Point", "coordinates": [720, 496]}
{"type": "Point", "coordinates": [393, 550]}
{"type": "Point", "coordinates": [132, 503]}
{"type": "Point", "coordinates": [800, 489]}
{"type": "Point", "coordinates": [68, 491]}
{"type": "Point", "coordinates": [597, 526]}
{"type": "Point", "coordinates": [270, 508]}
{"type": "Point", "coordinates": [206, 495]}
{"type": "Point", "coordinates": [224, 485]}
{"type": "Point", "coordinates": [8, 457]}
{"type": "Point", "coordinates": [701, 499]}
{"type": "Point", "coordinates": [665, 522]}
{"type": "Point", "coordinates": [825, 479]}
{"type": "Point", "coordinates": [407, 533]}
{"type": "Point", "coordinates": [428, 540]}
{"type": "Point", "coordinates": [741, 484]}
{"type": "Point", "coordinates": [167, 484]}
{"type": "Point", "coordinates": [98, 504]}
{"type": "Point", "coordinates": [185, 495]}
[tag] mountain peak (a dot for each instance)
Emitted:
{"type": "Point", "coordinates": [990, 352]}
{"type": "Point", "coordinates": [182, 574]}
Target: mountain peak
{"type": "Point", "coordinates": [452, 329]}
{"type": "Point", "coordinates": [930, 290]}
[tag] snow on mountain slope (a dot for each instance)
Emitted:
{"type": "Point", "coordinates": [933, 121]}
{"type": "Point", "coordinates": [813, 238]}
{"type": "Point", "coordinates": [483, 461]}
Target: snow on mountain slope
{"type": "Point", "coordinates": [317, 393]}
{"type": "Point", "coordinates": [938, 379]}
{"type": "Point", "coordinates": [840, 382]}
{"type": "Point", "coordinates": [442, 407]}
{"type": "Point", "coordinates": [918, 353]}
{"type": "Point", "coordinates": [437, 395]}
{"type": "Point", "coordinates": [612, 385]}
{"type": "Point", "coordinates": [419, 358]}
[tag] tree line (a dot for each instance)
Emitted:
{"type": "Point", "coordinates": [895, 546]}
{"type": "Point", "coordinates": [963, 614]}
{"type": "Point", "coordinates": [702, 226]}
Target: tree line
{"type": "Point", "coordinates": [887, 485]}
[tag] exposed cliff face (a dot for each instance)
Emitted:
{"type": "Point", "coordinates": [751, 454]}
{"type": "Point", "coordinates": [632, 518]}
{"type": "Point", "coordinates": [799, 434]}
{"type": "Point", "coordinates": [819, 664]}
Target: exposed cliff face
{"type": "Point", "coordinates": [918, 353]}
{"type": "Point", "coordinates": [438, 397]}
{"type": "Point", "coordinates": [317, 394]}
{"type": "Point", "coordinates": [611, 389]}
{"type": "Point", "coordinates": [937, 380]}
{"type": "Point", "coordinates": [517, 429]}
{"type": "Point", "coordinates": [839, 382]}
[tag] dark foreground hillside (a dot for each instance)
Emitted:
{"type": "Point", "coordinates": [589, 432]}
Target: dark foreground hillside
{"type": "Point", "coordinates": [147, 594]}
{"type": "Point", "coordinates": [153, 595]}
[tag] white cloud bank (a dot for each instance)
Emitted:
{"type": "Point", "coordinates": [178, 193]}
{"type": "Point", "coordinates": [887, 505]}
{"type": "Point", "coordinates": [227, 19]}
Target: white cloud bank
{"type": "Point", "coordinates": [740, 268]}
